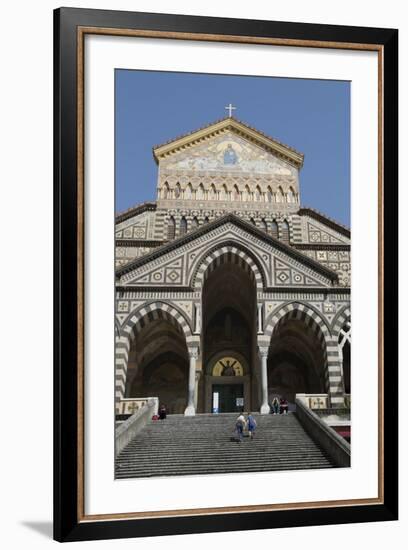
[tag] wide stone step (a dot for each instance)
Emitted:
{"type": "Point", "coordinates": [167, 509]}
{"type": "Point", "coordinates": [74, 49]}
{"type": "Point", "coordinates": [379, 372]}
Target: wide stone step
{"type": "Point", "coordinates": [209, 467]}
{"type": "Point", "coordinates": [228, 447]}
{"type": "Point", "coordinates": [225, 457]}
{"type": "Point", "coordinates": [202, 444]}
{"type": "Point", "coordinates": [133, 473]}
{"type": "Point", "coordinates": [204, 466]}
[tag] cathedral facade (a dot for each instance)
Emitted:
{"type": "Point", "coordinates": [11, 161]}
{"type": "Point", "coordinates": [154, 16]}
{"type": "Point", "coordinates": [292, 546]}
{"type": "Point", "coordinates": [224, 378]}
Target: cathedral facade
{"type": "Point", "coordinates": [228, 291]}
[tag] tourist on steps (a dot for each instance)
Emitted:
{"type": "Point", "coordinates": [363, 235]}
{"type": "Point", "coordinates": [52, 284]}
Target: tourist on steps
{"type": "Point", "coordinates": [162, 412]}
{"type": "Point", "coordinates": [275, 405]}
{"type": "Point", "coordinates": [283, 406]}
{"type": "Point", "coordinates": [251, 425]}
{"type": "Point", "coordinates": [239, 426]}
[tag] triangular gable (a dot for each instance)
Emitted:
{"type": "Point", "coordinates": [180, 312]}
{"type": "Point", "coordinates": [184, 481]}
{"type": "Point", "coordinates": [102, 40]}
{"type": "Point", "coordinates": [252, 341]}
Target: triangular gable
{"type": "Point", "coordinates": [231, 124]}
{"type": "Point", "coordinates": [228, 153]}
{"type": "Point", "coordinates": [320, 229]}
{"type": "Point", "coordinates": [174, 264]}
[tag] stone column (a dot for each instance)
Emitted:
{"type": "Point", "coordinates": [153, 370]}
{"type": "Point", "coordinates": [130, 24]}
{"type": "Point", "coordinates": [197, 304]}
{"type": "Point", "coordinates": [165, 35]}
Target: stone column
{"type": "Point", "coordinates": [197, 380]}
{"type": "Point", "coordinates": [197, 326]}
{"type": "Point", "coordinates": [190, 410]}
{"type": "Point", "coordinates": [334, 374]}
{"type": "Point", "coordinates": [260, 324]}
{"type": "Point", "coordinates": [263, 354]}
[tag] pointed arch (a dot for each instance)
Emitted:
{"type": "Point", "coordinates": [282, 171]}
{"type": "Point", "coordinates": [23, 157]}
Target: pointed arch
{"type": "Point", "coordinates": [188, 193]}
{"type": "Point", "coordinates": [258, 194]}
{"type": "Point", "coordinates": [246, 196]}
{"type": "Point", "coordinates": [264, 225]}
{"type": "Point", "coordinates": [340, 319]}
{"type": "Point", "coordinates": [183, 226]}
{"type": "Point", "coordinates": [285, 232]}
{"type": "Point", "coordinates": [280, 197]}
{"type": "Point", "coordinates": [133, 325]}
{"type": "Point", "coordinates": [298, 320]}
{"type": "Point", "coordinates": [236, 195]}
{"type": "Point", "coordinates": [291, 196]}
{"type": "Point", "coordinates": [177, 191]}
{"type": "Point", "coordinates": [171, 228]}
{"type": "Point", "coordinates": [296, 310]}
{"type": "Point", "coordinates": [224, 192]}
{"type": "Point", "coordinates": [212, 192]}
{"type": "Point", "coordinates": [274, 229]}
{"type": "Point", "coordinates": [269, 194]}
{"type": "Point", "coordinates": [165, 190]}
{"type": "Point", "coordinates": [227, 253]}
{"type": "Point", "coordinates": [200, 192]}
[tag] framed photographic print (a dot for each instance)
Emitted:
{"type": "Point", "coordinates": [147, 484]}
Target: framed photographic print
{"type": "Point", "coordinates": [225, 274]}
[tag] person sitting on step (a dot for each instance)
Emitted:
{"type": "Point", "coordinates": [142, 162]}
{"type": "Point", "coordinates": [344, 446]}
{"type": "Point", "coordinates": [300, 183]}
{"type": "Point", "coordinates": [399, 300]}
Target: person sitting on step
{"type": "Point", "coordinates": [162, 412]}
{"type": "Point", "coordinates": [283, 406]}
{"type": "Point", "coordinates": [275, 405]}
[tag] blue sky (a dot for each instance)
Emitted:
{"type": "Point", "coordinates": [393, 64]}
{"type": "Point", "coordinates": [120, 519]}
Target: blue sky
{"type": "Point", "coordinates": [313, 116]}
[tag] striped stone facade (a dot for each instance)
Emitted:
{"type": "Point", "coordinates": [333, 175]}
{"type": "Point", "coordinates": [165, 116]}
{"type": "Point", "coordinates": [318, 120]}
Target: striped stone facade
{"type": "Point", "coordinates": [297, 259]}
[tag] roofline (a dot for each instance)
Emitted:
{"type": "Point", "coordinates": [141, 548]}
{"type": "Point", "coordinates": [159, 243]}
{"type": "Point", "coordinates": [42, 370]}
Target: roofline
{"type": "Point", "coordinates": [202, 229]}
{"type": "Point", "coordinates": [134, 210]}
{"type": "Point", "coordinates": [289, 153]}
{"type": "Point", "coordinates": [319, 216]}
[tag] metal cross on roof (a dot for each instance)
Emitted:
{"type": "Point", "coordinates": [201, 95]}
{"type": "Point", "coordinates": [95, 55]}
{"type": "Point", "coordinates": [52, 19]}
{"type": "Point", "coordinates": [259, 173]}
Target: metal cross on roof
{"type": "Point", "coordinates": [230, 108]}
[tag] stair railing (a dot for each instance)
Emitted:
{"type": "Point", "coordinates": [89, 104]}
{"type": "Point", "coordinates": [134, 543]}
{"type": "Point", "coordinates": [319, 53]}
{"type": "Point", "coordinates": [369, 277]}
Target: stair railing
{"type": "Point", "coordinates": [126, 431]}
{"type": "Point", "coordinates": [326, 437]}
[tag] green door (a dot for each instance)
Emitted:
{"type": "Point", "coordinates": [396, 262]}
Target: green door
{"type": "Point", "coordinates": [230, 397]}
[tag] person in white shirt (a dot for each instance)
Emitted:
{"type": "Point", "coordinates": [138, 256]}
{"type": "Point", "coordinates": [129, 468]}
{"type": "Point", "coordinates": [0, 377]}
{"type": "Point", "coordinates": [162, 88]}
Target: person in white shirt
{"type": "Point", "coordinates": [240, 425]}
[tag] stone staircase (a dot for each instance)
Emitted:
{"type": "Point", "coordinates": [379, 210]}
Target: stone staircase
{"type": "Point", "coordinates": [202, 444]}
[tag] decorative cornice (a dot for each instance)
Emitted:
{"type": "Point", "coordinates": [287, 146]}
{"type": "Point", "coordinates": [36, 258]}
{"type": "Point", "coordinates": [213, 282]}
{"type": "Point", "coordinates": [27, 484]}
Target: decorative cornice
{"type": "Point", "coordinates": [161, 289]}
{"type": "Point", "coordinates": [230, 123]}
{"type": "Point", "coordinates": [308, 289]}
{"type": "Point", "coordinates": [138, 209]}
{"type": "Point", "coordinates": [330, 247]}
{"type": "Point", "coordinates": [139, 243]}
{"type": "Point", "coordinates": [319, 216]}
{"type": "Point", "coordinates": [239, 222]}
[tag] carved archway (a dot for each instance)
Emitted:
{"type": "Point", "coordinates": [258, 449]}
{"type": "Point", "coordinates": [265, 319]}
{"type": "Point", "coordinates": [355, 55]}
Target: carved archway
{"type": "Point", "coordinates": [133, 325]}
{"type": "Point", "coordinates": [227, 253]}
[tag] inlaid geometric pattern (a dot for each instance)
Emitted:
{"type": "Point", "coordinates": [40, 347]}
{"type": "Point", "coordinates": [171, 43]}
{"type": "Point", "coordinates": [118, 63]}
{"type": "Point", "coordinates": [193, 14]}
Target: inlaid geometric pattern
{"type": "Point", "coordinates": [316, 235]}
{"type": "Point", "coordinates": [286, 275]}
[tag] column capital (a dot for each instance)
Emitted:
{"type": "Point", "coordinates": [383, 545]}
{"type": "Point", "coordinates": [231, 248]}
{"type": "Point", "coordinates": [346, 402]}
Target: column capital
{"type": "Point", "coordinates": [193, 351]}
{"type": "Point", "coordinates": [263, 351]}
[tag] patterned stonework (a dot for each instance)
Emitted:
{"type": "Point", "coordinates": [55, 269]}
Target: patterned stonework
{"type": "Point", "coordinates": [227, 199]}
{"type": "Point", "coordinates": [177, 267]}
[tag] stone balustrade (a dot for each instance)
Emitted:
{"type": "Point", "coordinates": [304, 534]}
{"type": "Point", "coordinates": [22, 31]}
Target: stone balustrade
{"type": "Point", "coordinates": [126, 431]}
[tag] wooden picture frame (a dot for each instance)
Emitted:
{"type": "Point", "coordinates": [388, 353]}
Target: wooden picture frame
{"type": "Point", "coordinates": [70, 27]}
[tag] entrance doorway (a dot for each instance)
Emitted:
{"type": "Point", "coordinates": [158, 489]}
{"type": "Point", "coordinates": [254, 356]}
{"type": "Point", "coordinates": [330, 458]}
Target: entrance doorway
{"type": "Point", "coordinates": [228, 398]}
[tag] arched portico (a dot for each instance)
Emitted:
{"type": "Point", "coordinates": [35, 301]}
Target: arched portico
{"type": "Point", "coordinates": [228, 279]}
{"type": "Point", "coordinates": [299, 354]}
{"type": "Point", "coordinates": [153, 349]}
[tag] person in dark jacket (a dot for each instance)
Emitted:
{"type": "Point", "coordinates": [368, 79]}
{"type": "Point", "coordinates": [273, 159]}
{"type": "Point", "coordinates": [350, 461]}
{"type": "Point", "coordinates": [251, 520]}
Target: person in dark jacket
{"type": "Point", "coordinates": [283, 406]}
{"type": "Point", "coordinates": [162, 412]}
